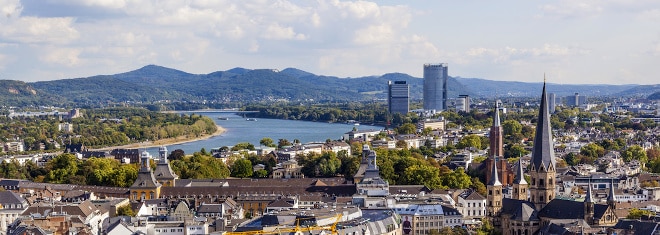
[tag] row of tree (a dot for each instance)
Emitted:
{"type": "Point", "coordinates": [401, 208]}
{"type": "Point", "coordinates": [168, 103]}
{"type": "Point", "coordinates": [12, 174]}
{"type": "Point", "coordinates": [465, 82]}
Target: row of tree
{"type": "Point", "coordinates": [103, 127]}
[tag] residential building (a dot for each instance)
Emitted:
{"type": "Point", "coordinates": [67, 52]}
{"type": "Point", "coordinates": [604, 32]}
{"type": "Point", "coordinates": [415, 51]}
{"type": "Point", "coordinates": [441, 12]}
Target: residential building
{"type": "Point", "coordinates": [472, 205]}
{"type": "Point", "coordinates": [287, 170]}
{"type": "Point", "coordinates": [12, 205]}
{"type": "Point", "coordinates": [435, 86]}
{"type": "Point", "coordinates": [398, 95]}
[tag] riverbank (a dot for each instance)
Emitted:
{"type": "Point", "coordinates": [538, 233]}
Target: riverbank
{"type": "Point", "coordinates": [166, 142]}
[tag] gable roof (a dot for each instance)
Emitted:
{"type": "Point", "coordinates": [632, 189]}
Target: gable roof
{"type": "Point", "coordinates": [566, 209]}
{"type": "Point", "coordinates": [9, 197]}
{"type": "Point", "coordinates": [519, 210]}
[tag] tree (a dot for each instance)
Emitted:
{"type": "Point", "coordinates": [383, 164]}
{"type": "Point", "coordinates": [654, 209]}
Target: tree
{"type": "Point", "coordinates": [62, 168]}
{"type": "Point", "coordinates": [422, 174]}
{"type": "Point", "coordinates": [634, 152]}
{"type": "Point", "coordinates": [177, 154]}
{"type": "Point", "coordinates": [511, 127]}
{"type": "Point", "coordinates": [457, 179]}
{"type": "Point", "coordinates": [329, 165]}
{"type": "Point", "coordinates": [125, 211]}
{"type": "Point", "coordinates": [635, 213]}
{"type": "Point", "coordinates": [283, 142]}
{"type": "Point", "coordinates": [407, 128]}
{"type": "Point", "coordinates": [478, 186]}
{"type": "Point", "coordinates": [242, 168]}
{"type": "Point", "coordinates": [260, 174]}
{"type": "Point", "coordinates": [268, 142]}
{"type": "Point", "coordinates": [653, 153]}
{"type": "Point", "coordinates": [470, 141]}
{"type": "Point", "coordinates": [514, 150]}
{"type": "Point", "coordinates": [592, 150]}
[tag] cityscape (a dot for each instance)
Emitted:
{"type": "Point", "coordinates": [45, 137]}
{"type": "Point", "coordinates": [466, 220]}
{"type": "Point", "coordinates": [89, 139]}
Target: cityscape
{"type": "Point", "coordinates": [594, 174]}
{"type": "Point", "coordinates": [395, 118]}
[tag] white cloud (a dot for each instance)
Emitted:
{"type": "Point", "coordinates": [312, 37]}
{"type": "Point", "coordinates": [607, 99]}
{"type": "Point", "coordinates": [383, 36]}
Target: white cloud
{"type": "Point", "coordinates": [569, 8]}
{"type": "Point", "coordinates": [10, 8]}
{"type": "Point", "coordinates": [508, 54]}
{"type": "Point", "coordinates": [590, 8]}
{"type": "Point", "coordinates": [40, 30]}
{"type": "Point", "coordinates": [278, 32]}
{"type": "Point", "coordinates": [62, 56]}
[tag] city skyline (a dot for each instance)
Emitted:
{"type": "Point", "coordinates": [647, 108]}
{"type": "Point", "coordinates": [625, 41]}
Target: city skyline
{"type": "Point", "coordinates": [573, 42]}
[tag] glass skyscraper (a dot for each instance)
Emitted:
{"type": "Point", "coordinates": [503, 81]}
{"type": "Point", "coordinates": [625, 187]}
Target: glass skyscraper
{"type": "Point", "coordinates": [435, 86]}
{"type": "Point", "coordinates": [397, 97]}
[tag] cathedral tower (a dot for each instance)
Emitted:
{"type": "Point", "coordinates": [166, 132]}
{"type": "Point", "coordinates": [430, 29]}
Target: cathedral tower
{"type": "Point", "coordinates": [542, 171]}
{"type": "Point", "coordinates": [589, 206]}
{"type": "Point", "coordinates": [496, 150]}
{"type": "Point", "coordinates": [494, 197]}
{"type": "Point", "coordinates": [519, 183]}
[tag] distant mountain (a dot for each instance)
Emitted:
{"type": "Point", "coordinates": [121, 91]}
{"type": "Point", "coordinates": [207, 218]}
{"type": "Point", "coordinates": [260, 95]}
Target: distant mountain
{"type": "Point", "coordinates": [639, 91]}
{"type": "Point", "coordinates": [494, 89]}
{"type": "Point", "coordinates": [18, 93]}
{"type": "Point", "coordinates": [240, 85]}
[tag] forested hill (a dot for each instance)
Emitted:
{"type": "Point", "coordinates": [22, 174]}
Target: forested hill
{"type": "Point", "coordinates": [240, 86]}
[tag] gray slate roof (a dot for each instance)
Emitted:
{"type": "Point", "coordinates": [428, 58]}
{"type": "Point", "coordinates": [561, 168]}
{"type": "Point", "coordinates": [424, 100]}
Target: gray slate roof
{"type": "Point", "coordinates": [543, 153]}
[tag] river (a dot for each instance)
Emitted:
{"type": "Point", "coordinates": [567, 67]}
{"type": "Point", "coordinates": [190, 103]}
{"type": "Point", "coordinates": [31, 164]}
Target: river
{"type": "Point", "coordinates": [239, 130]}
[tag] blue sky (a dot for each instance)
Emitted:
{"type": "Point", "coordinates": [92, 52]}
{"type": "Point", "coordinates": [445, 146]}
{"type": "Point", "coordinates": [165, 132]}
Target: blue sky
{"type": "Point", "coordinates": [571, 41]}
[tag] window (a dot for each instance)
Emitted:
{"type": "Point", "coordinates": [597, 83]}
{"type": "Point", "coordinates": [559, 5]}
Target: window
{"type": "Point", "coordinates": [540, 182]}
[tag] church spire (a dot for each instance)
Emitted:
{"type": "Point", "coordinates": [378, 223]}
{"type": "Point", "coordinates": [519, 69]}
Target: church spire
{"type": "Point", "coordinates": [542, 170]}
{"type": "Point", "coordinates": [589, 198]}
{"type": "Point", "coordinates": [496, 115]}
{"type": "Point", "coordinates": [611, 201]}
{"type": "Point", "coordinates": [494, 180]}
{"type": "Point", "coordinates": [543, 154]}
{"type": "Point", "coordinates": [520, 174]}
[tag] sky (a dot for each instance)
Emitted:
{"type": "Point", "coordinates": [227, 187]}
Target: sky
{"type": "Point", "coordinates": [567, 41]}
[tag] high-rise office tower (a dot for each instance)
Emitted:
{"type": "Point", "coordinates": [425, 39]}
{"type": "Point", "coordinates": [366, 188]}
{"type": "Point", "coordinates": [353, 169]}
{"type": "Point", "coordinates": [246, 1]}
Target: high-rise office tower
{"type": "Point", "coordinates": [552, 102]}
{"type": "Point", "coordinates": [463, 103]}
{"type": "Point", "coordinates": [576, 100]}
{"type": "Point", "coordinates": [435, 86]}
{"type": "Point", "coordinates": [397, 97]}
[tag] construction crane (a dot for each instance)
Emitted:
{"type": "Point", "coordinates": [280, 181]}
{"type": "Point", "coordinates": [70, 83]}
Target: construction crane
{"type": "Point", "coordinates": [298, 229]}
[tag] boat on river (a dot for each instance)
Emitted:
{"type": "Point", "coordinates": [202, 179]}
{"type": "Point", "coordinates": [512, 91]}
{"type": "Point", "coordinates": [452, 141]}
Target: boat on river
{"type": "Point", "coordinates": [251, 119]}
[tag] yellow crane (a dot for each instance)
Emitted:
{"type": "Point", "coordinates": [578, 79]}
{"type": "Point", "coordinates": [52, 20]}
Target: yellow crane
{"type": "Point", "coordinates": [298, 229]}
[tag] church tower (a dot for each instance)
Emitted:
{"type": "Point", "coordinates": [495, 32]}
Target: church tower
{"type": "Point", "coordinates": [496, 150]}
{"type": "Point", "coordinates": [495, 135]}
{"type": "Point", "coordinates": [589, 206]}
{"type": "Point", "coordinates": [494, 197]}
{"type": "Point", "coordinates": [543, 171]}
{"type": "Point", "coordinates": [519, 183]}
{"type": "Point", "coordinates": [611, 201]}
{"type": "Point", "coordinates": [145, 186]}
{"type": "Point", "coordinates": [163, 173]}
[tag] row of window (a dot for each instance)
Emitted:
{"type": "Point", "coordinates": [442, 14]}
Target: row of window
{"type": "Point", "coordinates": [474, 212]}
{"type": "Point", "coordinates": [474, 204]}
{"type": "Point", "coordinates": [172, 230]}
